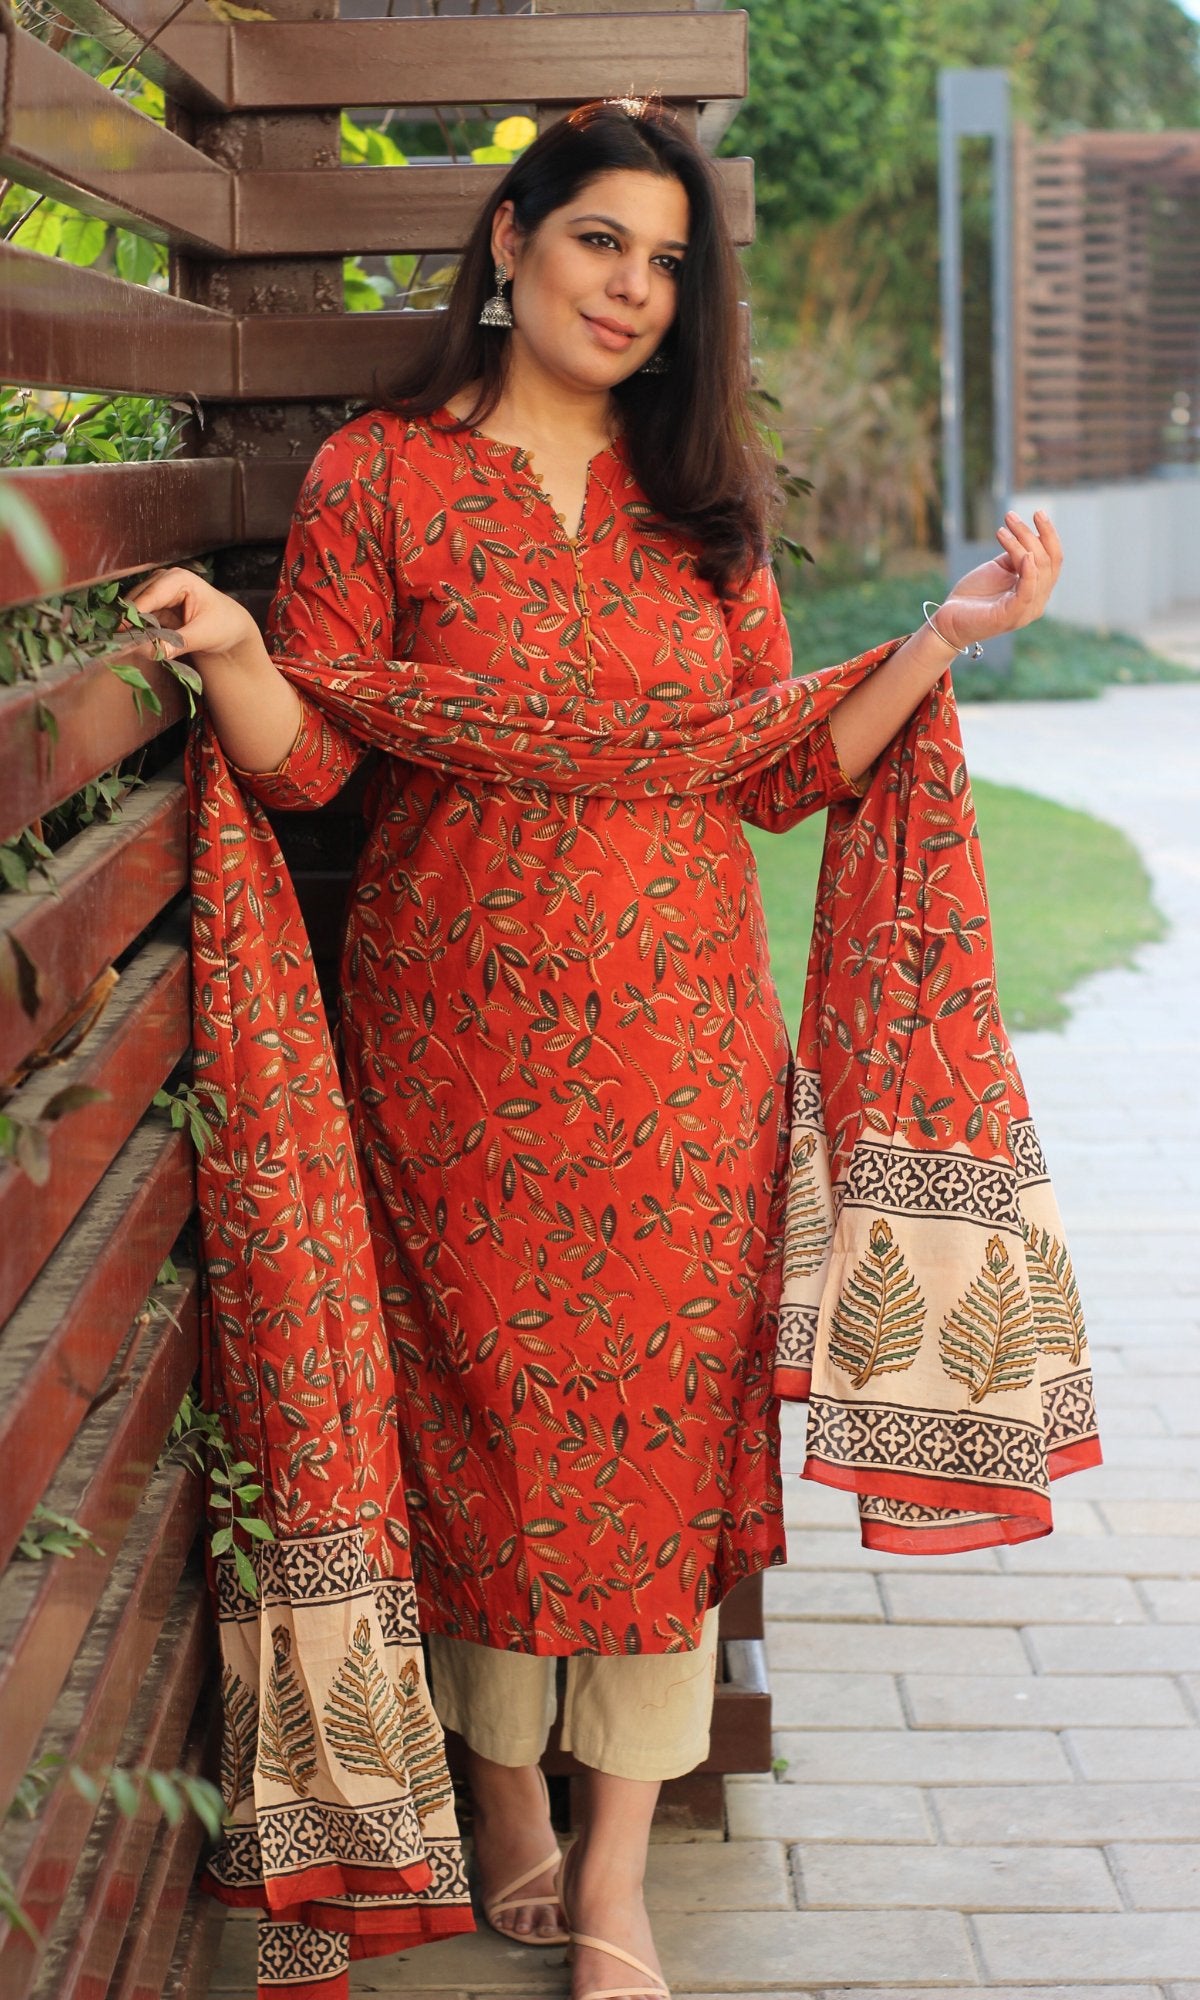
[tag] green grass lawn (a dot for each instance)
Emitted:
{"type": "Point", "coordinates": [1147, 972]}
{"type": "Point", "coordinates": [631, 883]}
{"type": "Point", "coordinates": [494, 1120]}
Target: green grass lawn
{"type": "Point", "coordinates": [1050, 661]}
{"type": "Point", "coordinates": [1068, 894]}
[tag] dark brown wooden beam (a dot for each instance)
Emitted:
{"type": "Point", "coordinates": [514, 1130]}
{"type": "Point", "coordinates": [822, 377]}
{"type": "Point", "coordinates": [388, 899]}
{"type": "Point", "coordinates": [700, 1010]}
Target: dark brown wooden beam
{"type": "Point", "coordinates": [109, 884]}
{"type": "Point", "coordinates": [113, 520]}
{"type": "Point", "coordinates": [144, 1031]}
{"type": "Point", "coordinates": [488, 59]}
{"type": "Point", "coordinates": [65, 728]}
{"type": "Point", "coordinates": [66, 135]}
{"type": "Point", "coordinates": [317, 211]}
{"type": "Point", "coordinates": [66, 328]}
{"type": "Point", "coordinates": [190, 58]}
{"type": "Point", "coordinates": [86, 1939]}
{"type": "Point", "coordinates": [171, 1915]}
{"type": "Point", "coordinates": [91, 1715]}
{"type": "Point", "coordinates": [45, 1607]}
{"type": "Point", "coordinates": [57, 1348]}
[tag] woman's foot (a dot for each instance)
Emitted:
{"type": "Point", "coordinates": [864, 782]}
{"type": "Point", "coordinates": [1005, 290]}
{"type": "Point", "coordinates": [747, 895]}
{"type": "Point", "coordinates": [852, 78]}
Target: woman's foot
{"type": "Point", "coordinates": [604, 1899]}
{"type": "Point", "coordinates": [511, 1833]}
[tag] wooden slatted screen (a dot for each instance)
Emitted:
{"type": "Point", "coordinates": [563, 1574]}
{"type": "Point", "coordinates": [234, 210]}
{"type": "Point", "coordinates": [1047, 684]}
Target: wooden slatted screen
{"type": "Point", "coordinates": [1108, 294]}
{"type": "Point", "coordinates": [108, 1656]}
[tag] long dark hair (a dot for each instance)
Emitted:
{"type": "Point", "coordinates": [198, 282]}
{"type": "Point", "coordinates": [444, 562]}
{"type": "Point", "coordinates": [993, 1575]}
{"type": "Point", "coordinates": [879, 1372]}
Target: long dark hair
{"type": "Point", "coordinates": [693, 442]}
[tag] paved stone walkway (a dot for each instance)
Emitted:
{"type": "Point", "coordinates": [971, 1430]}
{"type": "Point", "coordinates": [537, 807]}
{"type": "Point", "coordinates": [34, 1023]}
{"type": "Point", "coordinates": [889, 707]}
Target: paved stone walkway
{"type": "Point", "coordinates": [993, 1761]}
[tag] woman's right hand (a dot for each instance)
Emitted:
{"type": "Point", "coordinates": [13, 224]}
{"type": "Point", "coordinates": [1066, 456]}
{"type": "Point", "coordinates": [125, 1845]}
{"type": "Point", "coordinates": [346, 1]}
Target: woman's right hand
{"type": "Point", "coordinates": [202, 622]}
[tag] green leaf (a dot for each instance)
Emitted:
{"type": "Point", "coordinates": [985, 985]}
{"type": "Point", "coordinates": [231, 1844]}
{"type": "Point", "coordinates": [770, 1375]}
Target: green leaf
{"type": "Point", "coordinates": [137, 258]}
{"type": "Point", "coordinates": [166, 1795]}
{"type": "Point", "coordinates": [245, 1570]}
{"type": "Point", "coordinates": [83, 239]}
{"type": "Point", "coordinates": [126, 1792]}
{"type": "Point", "coordinates": [35, 545]}
{"type": "Point", "coordinates": [222, 1541]}
{"type": "Point", "coordinates": [40, 231]}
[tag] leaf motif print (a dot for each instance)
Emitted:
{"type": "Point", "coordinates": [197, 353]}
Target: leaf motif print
{"type": "Point", "coordinates": [808, 1222]}
{"type": "Point", "coordinates": [1058, 1314]}
{"type": "Point", "coordinates": [988, 1341]}
{"type": "Point", "coordinates": [288, 1748]}
{"type": "Point", "coordinates": [239, 1738]}
{"type": "Point", "coordinates": [364, 1717]}
{"type": "Point", "coordinates": [424, 1754]}
{"type": "Point", "coordinates": [880, 1316]}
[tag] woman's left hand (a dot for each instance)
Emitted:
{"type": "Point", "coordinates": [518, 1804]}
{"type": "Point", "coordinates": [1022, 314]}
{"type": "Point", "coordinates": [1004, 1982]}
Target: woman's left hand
{"type": "Point", "coordinates": [1008, 592]}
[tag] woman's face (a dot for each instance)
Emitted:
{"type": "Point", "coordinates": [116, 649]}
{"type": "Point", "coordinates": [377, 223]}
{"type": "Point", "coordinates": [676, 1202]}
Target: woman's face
{"type": "Point", "coordinates": [594, 289]}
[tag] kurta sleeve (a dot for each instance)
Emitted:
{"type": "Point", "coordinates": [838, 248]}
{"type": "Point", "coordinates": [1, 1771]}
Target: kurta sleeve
{"type": "Point", "coordinates": [335, 604]}
{"type": "Point", "coordinates": [809, 777]}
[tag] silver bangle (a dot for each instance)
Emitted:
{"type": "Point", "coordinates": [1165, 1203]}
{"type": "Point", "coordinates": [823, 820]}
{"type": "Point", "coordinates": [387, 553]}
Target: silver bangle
{"type": "Point", "coordinates": [975, 651]}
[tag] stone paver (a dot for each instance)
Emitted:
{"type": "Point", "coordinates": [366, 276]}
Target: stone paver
{"type": "Point", "coordinates": [820, 1701]}
{"type": "Point", "coordinates": [992, 1759]}
{"type": "Point", "coordinates": [929, 1756]}
{"type": "Point", "coordinates": [959, 1878]}
{"type": "Point", "coordinates": [1156, 1877]}
{"type": "Point", "coordinates": [1011, 1600]}
{"type": "Point", "coordinates": [1090, 1945]}
{"type": "Point", "coordinates": [885, 1813]}
{"type": "Point", "coordinates": [1133, 1649]}
{"type": "Point", "coordinates": [1041, 1701]}
{"type": "Point", "coordinates": [1073, 1814]}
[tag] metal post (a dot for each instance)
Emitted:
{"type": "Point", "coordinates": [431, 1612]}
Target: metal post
{"type": "Point", "coordinates": [973, 103]}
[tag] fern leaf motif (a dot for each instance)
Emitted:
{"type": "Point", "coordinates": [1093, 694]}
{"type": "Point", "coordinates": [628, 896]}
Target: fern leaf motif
{"type": "Point", "coordinates": [1058, 1314]}
{"type": "Point", "coordinates": [239, 1738]}
{"type": "Point", "coordinates": [288, 1747]}
{"type": "Point", "coordinates": [988, 1341]}
{"type": "Point", "coordinates": [424, 1754]}
{"type": "Point", "coordinates": [363, 1713]}
{"type": "Point", "coordinates": [880, 1317]}
{"type": "Point", "coordinates": [807, 1224]}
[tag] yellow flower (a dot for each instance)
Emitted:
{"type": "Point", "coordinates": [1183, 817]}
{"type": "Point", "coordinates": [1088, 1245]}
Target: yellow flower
{"type": "Point", "coordinates": [515, 133]}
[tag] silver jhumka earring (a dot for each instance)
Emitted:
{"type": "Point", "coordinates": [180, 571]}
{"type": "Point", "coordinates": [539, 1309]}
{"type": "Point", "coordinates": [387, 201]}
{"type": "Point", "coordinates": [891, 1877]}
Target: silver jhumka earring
{"type": "Point", "coordinates": [497, 311]}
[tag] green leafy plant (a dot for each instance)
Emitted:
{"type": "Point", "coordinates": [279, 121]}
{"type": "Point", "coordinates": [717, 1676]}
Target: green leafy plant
{"type": "Point", "coordinates": [185, 1108]}
{"type": "Point", "coordinates": [197, 1438]}
{"type": "Point", "coordinates": [405, 281]}
{"type": "Point", "coordinates": [49, 1534]}
{"type": "Point", "coordinates": [173, 1792]}
{"type": "Point", "coordinates": [26, 1141]}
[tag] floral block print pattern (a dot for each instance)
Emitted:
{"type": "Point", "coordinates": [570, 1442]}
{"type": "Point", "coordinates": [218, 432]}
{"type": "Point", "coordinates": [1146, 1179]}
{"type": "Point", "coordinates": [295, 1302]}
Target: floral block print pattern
{"type": "Point", "coordinates": [930, 1311]}
{"type": "Point", "coordinates": [498, 1326]}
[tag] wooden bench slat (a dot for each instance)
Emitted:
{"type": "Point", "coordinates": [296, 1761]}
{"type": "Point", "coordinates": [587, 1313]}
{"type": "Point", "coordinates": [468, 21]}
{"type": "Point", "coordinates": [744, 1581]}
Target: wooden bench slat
{"type": "Point", "coordinates": [68, 136]}
{"type": "Point", "coordinates": [113, 520]}
{"type": "Point", "coordinates": [62, 327]}
{"type": "Point", "coordinates": [86, 1941]}
{"type": "Point", "coordinates": [75, 721]}
{"type": "Point", "coordinates": [327, 211]}
{"type": "Point", "coordinates": [109, 883]}
{"type": "Point", "coordinates": [169, 1908]}
{"type": "Point", "coordinates": [45, 1607]}
{"type": "Point", "coordinates": [195, 1955]}
{"type": "Point", "coordinates": [144, 1031]}
{"type": "Point", "coordinates": [188, 53]}
{"type": "Point", "coordinates": [92, 1712]}
{"type": "Point", "coordinates": [56, 1350]}
{"type": "Point", "coordinates": [489, 59]}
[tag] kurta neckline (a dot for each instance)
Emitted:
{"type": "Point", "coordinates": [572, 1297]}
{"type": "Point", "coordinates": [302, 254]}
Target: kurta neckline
{"type": "Point", "coordinates": [529, 466]}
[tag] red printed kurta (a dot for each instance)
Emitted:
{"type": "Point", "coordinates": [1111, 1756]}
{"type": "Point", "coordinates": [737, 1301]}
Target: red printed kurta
{"type": "Point", "coordinates": [566, 1066]}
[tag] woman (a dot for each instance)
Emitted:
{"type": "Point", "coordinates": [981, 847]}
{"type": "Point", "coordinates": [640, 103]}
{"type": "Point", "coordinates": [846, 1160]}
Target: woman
{"type": "Point", "coordinates": [564, 1055]}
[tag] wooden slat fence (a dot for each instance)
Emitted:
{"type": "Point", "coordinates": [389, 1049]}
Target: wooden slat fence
{"type": "Point", "coordinates": [107, 1657]}
{"type": "Point", "coordinates": [1108, 293]}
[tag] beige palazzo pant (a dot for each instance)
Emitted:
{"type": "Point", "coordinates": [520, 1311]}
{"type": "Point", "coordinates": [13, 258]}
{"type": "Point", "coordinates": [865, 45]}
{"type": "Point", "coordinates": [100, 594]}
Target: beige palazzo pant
{"type": "Point", "coordinates": [641, 1715]}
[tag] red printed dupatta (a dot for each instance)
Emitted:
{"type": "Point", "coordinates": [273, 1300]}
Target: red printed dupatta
{"type": "Point", "coordinates": [930, 1315]}
{"type": "Point", "coordinates": [928, 1308]}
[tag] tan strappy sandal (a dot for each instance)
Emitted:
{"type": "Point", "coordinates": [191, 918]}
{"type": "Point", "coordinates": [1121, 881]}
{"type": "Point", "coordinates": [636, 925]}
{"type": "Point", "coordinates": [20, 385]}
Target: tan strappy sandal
{"type": "Point", "coordinates": [658, 1990]}
{"type": "Point", "coordinates": [509, 1899]}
